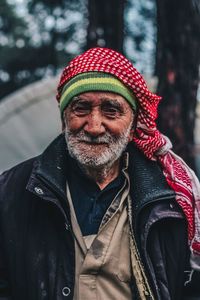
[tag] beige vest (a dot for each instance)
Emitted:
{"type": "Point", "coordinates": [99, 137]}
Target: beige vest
{"type": "Point", "coordinates": [103, 269]}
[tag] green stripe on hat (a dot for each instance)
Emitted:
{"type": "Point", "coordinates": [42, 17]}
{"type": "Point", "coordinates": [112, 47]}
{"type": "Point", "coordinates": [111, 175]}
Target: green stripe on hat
{"type": "Point", "coordinates": [94, 81]}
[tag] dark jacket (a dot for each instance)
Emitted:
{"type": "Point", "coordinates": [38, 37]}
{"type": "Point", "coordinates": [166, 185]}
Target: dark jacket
{"type": "Point", "coordinates": [37, 259]}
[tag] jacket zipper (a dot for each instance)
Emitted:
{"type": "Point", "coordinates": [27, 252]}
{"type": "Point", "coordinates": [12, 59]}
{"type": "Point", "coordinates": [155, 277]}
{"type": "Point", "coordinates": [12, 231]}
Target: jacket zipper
{"type": "Point", "coordinates": [67, 223]}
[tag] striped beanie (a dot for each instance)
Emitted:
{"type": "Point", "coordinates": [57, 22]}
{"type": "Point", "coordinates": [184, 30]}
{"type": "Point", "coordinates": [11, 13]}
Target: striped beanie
{"type": "Point", "coordinates": [94, 81]}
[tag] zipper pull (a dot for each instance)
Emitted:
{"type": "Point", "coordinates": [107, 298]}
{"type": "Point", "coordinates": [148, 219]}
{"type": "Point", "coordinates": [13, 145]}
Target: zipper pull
{"type": "Point", "coordinates": [67, 227]}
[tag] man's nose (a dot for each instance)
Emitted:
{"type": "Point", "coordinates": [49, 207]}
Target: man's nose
{"type": "Point", "coordinates": [94, 125]}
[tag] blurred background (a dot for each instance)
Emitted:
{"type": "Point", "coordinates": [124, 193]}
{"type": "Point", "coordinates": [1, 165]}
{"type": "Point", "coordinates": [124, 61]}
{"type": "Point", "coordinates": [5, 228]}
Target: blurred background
{"type": "Point", "coordinates": [39, 37]}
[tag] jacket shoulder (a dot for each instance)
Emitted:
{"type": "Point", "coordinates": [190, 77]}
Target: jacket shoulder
{"type": "Point", "coordinates": [17, 176]}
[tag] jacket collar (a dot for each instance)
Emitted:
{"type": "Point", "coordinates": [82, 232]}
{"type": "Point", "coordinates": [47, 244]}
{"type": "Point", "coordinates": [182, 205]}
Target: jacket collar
{"type": "Point", "coordinates": [146, 178]}
{"type": "Point", "coordinates": [51, 166]}
{"type": "Point", "coordinates": [148, 184]}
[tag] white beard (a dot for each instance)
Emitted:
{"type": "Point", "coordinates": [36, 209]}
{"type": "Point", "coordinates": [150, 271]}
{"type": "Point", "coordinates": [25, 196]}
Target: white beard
{"type": "Point", "coordinates": [112, 148]}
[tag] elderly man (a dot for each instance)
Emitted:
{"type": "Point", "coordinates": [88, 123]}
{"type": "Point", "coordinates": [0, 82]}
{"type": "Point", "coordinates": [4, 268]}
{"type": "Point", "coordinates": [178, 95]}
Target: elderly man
{"type": "Point", "coordinates": [108, 211]}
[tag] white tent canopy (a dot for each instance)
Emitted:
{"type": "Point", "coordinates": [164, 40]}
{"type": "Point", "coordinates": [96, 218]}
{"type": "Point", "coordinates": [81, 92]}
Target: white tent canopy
{"type": "Point", "coordinates": [29, 120]}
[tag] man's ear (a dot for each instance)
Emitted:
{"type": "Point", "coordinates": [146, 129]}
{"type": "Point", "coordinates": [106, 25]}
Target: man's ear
{"type": "Point", "coordinates": [63, 121]}
{"type": "Point", "coordinates": [131, 135]}
{"type": "Point", "coordinates": [63, 124]}
{"type": "Point", "coordinates": [134, 125]}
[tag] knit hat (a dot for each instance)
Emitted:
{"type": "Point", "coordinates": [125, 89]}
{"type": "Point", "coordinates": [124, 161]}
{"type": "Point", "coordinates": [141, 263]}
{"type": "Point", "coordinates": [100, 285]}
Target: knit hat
{"type": "Point", "coordinates": [94, 81]}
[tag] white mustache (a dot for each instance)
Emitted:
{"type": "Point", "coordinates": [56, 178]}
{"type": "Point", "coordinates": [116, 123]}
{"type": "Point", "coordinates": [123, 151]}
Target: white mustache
{"type": "Point", "coordinates": [107, 138]}
{"type": "Point", "coordinates": [116, 144]}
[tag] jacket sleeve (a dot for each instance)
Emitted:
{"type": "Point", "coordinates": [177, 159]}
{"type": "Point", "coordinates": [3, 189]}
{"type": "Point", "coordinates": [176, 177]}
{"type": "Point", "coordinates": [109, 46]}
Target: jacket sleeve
{"type": "Point", "coordinates": [168, 250]}
{"type": "Point", "coordinates": [192, 285]}
{"type": "Point", "coordinates": [4, 282]}
{"type": "Point", "coordinates": [5, 293]}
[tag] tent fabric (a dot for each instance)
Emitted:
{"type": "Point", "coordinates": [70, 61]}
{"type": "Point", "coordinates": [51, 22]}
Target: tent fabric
{"type": "Point", "coordinates": [29, 120]}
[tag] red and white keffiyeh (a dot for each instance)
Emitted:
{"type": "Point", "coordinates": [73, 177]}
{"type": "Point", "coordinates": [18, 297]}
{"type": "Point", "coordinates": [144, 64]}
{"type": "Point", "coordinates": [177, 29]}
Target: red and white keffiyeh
{"type": "Point", "coordinates": [147, 137]}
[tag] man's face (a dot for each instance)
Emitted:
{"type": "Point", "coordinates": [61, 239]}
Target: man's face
{"type": "Point", "coordinates": [98, 127]}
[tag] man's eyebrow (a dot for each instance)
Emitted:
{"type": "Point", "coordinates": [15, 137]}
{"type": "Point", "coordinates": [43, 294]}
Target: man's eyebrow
{"type": "Point", "coordinates": [77, 99]}
{"type": "Point", "coordinates": [104, 101]}
{"type": "Point", "coordinates": [113, 102]}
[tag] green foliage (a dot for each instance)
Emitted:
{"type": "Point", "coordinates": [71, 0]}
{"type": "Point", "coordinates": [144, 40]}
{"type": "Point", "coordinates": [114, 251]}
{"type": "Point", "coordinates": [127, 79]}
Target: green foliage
{"type": "Point", "coordinates": [39, 43]}
{"type": "Point", "coordinates": [140, 34]}
{"type": "Point", "coordinates": [9, 21]}
{"type": "Point", "coordinates": [13, 37]}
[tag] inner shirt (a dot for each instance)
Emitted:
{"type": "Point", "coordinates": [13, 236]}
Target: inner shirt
{"type": "Point", "coordinates": [89, 201]}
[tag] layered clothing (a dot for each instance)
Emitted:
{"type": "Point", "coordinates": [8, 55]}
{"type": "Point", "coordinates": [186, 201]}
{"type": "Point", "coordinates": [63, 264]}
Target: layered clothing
{"type": "Point", "coordinates": [37, 251]}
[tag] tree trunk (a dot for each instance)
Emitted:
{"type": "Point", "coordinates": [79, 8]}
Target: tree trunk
{"type": "Point", "coordinates": [177, 68]}
{"type": "Point", "coordinates": [106, 24]}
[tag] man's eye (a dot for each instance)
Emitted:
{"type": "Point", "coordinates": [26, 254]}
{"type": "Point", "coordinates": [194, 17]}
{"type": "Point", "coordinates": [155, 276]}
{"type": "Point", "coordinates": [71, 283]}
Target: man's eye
{"type": "Point", "coordinates": [81, 110]}
{"type": "Point", "coordinates": [111, 112]}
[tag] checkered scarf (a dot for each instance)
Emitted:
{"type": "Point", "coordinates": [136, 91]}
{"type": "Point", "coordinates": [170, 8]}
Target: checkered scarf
{"type": "Point", "coordinates": [148, 139]}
